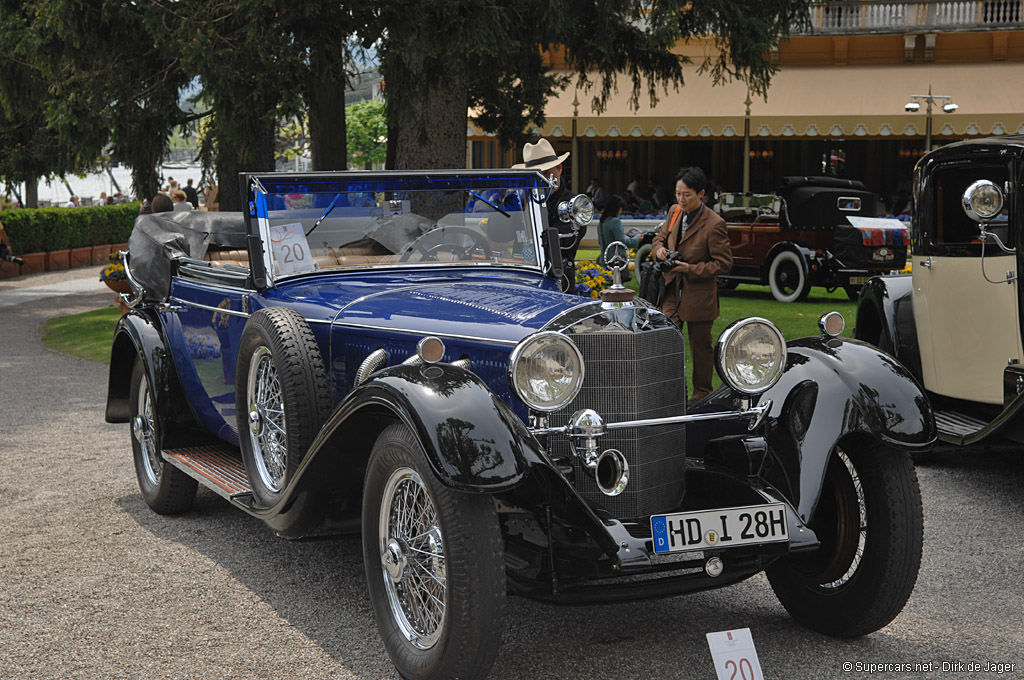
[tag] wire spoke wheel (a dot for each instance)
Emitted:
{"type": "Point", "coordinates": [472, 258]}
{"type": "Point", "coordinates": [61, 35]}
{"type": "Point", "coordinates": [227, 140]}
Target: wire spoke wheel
{"type": "Point", "coordinates": [413, 559]}
{"type": "Point", "coordinates": [144, 431]}
{"type": "Point", "coordinates": [269, 438]}
{"type": "Point", "coordinates": [434, 564]}
{"type": "Point", "coordinates": [165, 488]}
{"type": "Point", "coordinates": [870, 529]}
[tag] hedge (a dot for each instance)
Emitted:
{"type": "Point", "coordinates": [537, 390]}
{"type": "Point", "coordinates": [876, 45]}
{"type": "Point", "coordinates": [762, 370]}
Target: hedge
{"type": "Point", "coordinates": [46, 229]}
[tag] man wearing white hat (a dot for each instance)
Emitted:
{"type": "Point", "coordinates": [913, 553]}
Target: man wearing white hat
{"type": "Point", "coordinates": [542, 157]}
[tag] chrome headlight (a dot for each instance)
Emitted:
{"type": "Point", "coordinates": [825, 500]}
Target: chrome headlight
{"type": "Point", "coordinates": [983, 200]}
{"type": "Point", "coordinates": [579, 210]}
{"type": "Point", "coordinates": [751, 355]}
{"type": "Point", "coordinates": [546, 371]}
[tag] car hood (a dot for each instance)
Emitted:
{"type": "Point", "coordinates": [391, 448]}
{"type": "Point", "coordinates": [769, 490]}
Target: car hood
{"type": "Point", "coordinates": [489, 310]}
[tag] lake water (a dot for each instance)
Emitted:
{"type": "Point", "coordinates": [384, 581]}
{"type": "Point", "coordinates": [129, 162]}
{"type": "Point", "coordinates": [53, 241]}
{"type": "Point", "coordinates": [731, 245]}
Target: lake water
{"type": "Point", "coordinates": [92, 185]}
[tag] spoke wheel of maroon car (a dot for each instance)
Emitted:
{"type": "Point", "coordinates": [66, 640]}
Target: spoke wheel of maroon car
{"type": "Point", "coordinates": [787, 277]}
{"type": "Point", "coordinates": [434, 564]}
{"type": "Point", "coordinates": [870, 524]}
{"type": "Point", "coordinates": [281, 398]}
{"type": "Point", "coordinates": [165, 488]}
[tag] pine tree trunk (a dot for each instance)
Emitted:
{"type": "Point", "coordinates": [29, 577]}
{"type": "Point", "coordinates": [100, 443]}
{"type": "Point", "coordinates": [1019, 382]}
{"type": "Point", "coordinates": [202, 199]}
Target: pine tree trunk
{"type": "Point", "coordinates": [236, 154]}
{"type": "Point", "coordinates": [328, 140]}
{"type": "Point", "coordinates": [430, 129]}
{"type": "Point", "coordinates": [32, 193]}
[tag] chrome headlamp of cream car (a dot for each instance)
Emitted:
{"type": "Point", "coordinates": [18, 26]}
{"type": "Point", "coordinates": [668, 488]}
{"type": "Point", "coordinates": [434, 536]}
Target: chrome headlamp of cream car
{"type": "Point", "coordinates": [983, 200]}
{"type": "Point", "coordinates": [579, 210]}
{"type": "Point", "coordinates": [751, 355]}
{"type": "Point", "coordinates": [546, 371]}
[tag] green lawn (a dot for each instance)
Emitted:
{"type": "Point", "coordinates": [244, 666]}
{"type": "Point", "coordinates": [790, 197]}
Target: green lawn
{"type": "Point", "coordinates": [86, 335]}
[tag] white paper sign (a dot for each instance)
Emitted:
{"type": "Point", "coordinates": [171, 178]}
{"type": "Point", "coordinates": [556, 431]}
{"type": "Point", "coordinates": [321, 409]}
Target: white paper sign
{"type": "Point", "coordinates": [290, 249]}
{"type": "Point", "coordinates": [734, 655]}
{"type": "Point", "coordinates": [877, 222]}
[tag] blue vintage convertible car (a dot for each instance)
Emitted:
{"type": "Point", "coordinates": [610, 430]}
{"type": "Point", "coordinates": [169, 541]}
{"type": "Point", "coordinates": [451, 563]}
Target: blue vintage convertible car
{"type": "Point", "coordinates": [389, 352]}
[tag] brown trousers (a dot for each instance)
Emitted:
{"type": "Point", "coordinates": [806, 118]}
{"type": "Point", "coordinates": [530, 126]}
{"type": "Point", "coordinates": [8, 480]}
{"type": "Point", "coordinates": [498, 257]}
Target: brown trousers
{"type": "Point", "coordinates": [698, 338]}
{"type": "Point", "coordinates": [698, 334]}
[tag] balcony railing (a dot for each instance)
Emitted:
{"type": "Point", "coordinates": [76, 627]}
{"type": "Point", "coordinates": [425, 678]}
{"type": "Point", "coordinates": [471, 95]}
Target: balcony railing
{"type": "Point", "coordinates": [879, 16]}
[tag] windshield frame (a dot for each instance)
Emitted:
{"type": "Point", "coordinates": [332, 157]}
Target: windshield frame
{"type": "Point", "coordinates": [261, 187]}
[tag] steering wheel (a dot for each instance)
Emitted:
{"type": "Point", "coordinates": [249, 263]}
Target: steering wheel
{"type": "Point", "coordinates": [459, 248]}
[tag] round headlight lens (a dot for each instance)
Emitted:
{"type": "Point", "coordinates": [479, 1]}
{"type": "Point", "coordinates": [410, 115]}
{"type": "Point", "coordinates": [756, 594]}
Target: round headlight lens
{"type": "Point", "coordinates": [579, 210]}
{"type": "Point", "coordinates": [983, 200]}
{"type": "Point", "coordinates": [751, 355]}
{"type": "Point", "coordinates": [546, 371]}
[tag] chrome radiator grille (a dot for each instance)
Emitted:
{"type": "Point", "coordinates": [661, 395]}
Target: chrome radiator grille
{"type": "Point", "coordinates": [632, 375]}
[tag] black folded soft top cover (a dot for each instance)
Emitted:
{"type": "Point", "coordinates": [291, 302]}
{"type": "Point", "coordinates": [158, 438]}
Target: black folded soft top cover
{"type": "Point", "coordinates": [161, 237]}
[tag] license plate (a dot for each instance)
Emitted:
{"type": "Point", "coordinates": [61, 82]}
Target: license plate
{"type": "Point", "coordinates": [723, 528]}
{"type": "Point", "coordinates": [859, 280]}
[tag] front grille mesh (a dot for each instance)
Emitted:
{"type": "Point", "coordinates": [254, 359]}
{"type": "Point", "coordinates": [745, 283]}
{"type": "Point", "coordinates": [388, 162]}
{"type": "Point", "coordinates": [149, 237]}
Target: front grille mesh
{"type": "Point", "coordinates": [629, 376]}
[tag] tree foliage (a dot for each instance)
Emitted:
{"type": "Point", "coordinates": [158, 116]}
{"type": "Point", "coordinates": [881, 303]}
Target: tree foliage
{"type": "Point", "coordinates": [367, 133]}
{"type": "Point", "coordinates": [488, 57]}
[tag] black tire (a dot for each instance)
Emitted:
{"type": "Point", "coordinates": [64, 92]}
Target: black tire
{"type": "Point", "coordinates": [726, 284]}
{"type": "Point", "coordinates": [853, 292]}
{"type": "Point", "coordinates": [165, 488]}
{"type": "Point", "coordinates": [787, 277]}
{"type": "Point", "coordinates": [462, 532]}
{"type": "Point", "coordinates": [282, 397]}
{"type": "Point", "coordinates": [857, 581]}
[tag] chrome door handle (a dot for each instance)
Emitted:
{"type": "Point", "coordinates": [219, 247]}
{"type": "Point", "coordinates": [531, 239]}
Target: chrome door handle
{"type": "Point", "coordinates": [926, 263]}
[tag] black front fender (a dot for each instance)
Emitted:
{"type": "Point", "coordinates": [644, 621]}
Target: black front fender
{"type": "Point", "coordinates": [473, 441]}
{"type": "Point", "coordinates": [139, 336]}
{"type": "Point", "coordinates": [835, 388]}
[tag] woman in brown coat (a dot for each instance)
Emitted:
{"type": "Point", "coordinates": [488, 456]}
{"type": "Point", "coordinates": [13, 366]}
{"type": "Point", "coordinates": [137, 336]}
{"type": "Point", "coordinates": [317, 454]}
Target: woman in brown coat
{"type": "Point", "coordinates": [691, 294]}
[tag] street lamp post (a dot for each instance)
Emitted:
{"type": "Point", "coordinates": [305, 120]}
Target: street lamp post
{"type": "Point", "coordinates": [575, 146]}
{"type": "Point", "coordinates": [746, 146]}
{"type": "Point", "coordinates": [929, 99]}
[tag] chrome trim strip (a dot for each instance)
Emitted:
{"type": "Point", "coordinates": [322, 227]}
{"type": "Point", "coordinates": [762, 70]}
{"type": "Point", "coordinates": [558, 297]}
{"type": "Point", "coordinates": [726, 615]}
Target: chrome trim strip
{"type": "Point", "coordinates": [208, 307]}
{"type": "Point", "coordinates": [421, 333]}
{"type": "Point", "coordinates": [757, 413]}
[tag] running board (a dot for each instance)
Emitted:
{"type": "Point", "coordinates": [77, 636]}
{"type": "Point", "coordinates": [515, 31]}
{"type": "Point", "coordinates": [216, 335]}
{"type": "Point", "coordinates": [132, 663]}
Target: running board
{"type": "Point", "coordinates": [958, 427]}
{"type": "Point", "coordinates": [217, 467]}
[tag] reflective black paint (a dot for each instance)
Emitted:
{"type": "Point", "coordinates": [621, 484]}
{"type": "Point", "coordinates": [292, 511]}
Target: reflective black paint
{"type": "Point", "coordinates": [834, 388]}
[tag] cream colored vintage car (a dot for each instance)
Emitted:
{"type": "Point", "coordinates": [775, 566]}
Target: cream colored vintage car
{"type": "Point", "coordinates": [956, 322]}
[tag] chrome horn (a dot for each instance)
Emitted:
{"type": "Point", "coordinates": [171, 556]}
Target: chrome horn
{"type": "Point", "coordinates": [611, 472]}
{"type": "Point", "coordinates": [609, 468]}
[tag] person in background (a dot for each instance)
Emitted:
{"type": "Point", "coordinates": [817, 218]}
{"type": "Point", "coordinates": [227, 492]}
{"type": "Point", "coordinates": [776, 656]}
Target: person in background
{"type": "Point", "coordinates": [542, 157]}
{"type": "Point", "coordinates": [691, 293]}
{"type": "Point", "coordinates": [109, 200]}
{"type": "Point", "coordinates": [146, 207]}
{"type": "Point", "coordinates": [162, 203]}
{"type": "Point", "coordinates": [72, 202]}
{"type": "Point", "coordinates": [103, 198]}
{"type": "Point", "coordinates": [634, 186]}
{"type": "Point", "coordinates": [610, 229]}
{"type": "Point", "coordinates": [596, 192]}
{"type": "Point", "coordinates": [191, 193]}
{"type": "Point", "coordinates": [180, 201]}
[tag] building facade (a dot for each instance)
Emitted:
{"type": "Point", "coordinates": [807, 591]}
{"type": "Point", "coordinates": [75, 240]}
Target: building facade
{"type": "Point", "coordinates": [837, 105]}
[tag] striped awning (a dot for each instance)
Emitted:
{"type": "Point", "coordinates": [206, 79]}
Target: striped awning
{"type": "Point", "coordinates": [834, 101]}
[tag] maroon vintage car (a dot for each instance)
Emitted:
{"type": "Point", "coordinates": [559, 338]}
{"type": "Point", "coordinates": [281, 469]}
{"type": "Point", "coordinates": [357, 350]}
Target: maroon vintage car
{"type": "Point", "coordinates": [815, 231]}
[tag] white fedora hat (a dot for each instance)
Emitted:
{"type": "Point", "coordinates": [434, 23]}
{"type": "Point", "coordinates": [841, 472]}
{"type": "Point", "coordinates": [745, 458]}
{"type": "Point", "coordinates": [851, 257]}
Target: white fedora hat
{"type": "Point", "coordinates": [540, 156]}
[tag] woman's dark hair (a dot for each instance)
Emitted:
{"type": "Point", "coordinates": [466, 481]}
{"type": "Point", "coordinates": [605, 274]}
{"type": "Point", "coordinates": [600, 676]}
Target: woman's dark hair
{"type": "Point", "coordinates": [162, 203]}
{"type": "Point", "coordinates": [612, 207]}
{"type": "Point", "coordinates": [694, 178]}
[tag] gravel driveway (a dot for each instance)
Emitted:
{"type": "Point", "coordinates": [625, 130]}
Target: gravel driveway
{"type": "Point", "coordinates": [95, 585]}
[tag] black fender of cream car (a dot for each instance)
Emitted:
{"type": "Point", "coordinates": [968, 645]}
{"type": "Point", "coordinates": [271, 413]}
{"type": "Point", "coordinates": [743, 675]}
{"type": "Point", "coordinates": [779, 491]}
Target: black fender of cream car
{"type": "Point", "coordinates": [885, 318]}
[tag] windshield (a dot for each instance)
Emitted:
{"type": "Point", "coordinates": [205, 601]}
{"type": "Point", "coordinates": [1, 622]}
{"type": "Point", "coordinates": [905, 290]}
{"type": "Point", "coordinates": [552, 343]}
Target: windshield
{"type": "Point", "coordinates": [400, 221]}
